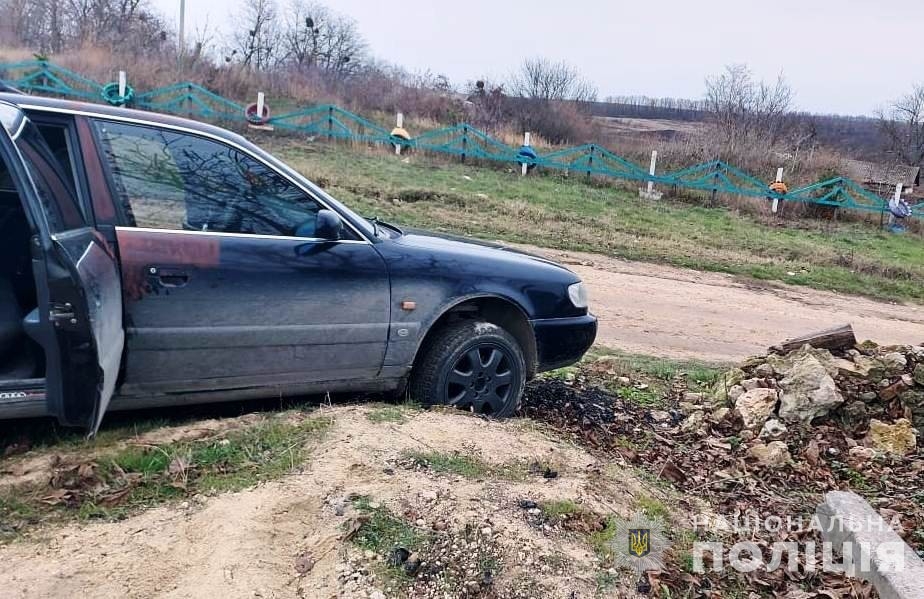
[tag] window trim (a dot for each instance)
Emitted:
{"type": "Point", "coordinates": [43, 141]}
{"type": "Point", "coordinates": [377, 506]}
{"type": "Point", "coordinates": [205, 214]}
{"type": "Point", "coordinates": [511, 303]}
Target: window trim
{"type": "Point", "coordinates": [93, 116]}
{"type": "Point", "coordinates": [244, 235]}
{"type": "Point", "coordinates": [75, 157]}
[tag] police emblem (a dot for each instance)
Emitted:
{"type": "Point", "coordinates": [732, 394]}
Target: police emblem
{"type": "Point", "coordinates": [639, 542]}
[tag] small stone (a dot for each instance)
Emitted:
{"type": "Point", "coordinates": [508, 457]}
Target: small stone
{"type": "Point", "coordinates": [486, 531]}
{"type": "Point", "coordinates": [773, 430]}
{"type": "Point", "coordinates": [855, 413]}
{"type": "Point", "coordinates": [869, 396]}
{"type": "Point", "coordinates": [898, 438]}
{"type": "Point", "coordinates": [735, 392]}
{"type": "Point", "coordinates": [808, 391]}
{"type": "Point", "coordinates": [412, 565]}
{"type": "Point", "coordinates": [377, 595]}
{"type": "Point", "coordinates": [919, 374]}
{"type": "Point", "coordinates": [894, 361]}
{"type": "Point", "coordinates": [773, 454]}
{"type": "Point", "coordinates": [720, 414]}
{"type": "Point", "coordinates": [746, 435]}
{"type": "Point", "coordinates": [421, 522]}
{"type": "Point", "coordinates": [751, 384]}
{"type": "Point", "coordinates": [859, 455]}
{"type": "Point", "coordinates": [764, 371]}
{"type": "Point", "coordinates": [624, 380]}
{"type": "Point", "coordinates": [892, 391]}
{"type": "Point", "coordinates": [693, 422]}
{"type": "Point", "coordinates": [695, 398]}
{"type": "Point", "coordinates": [688, 407]}
{"type": "Point", "coordinates": [429, 495]}
{"type": "Point", "coordinates": [305, 563]}
{"type": "Point", "coordinates": [756, 405]}
{"type": "Point", "coordinates": [848, 368]}
{"type": "Point", "coordinates": [660, 416]}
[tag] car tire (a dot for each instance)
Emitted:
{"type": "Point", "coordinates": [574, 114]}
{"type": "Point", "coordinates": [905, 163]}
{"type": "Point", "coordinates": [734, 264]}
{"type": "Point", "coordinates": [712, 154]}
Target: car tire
{"type": "Point", "coordinates": [472, 365]}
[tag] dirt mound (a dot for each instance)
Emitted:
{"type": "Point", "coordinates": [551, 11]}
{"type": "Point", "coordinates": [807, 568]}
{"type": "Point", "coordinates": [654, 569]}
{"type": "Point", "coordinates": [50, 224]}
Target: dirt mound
{"type": "Point", "coordinates": [458, 481]}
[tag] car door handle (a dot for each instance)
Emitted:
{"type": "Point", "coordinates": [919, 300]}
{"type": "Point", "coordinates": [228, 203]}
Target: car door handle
{"type": "Point", "coordinates": [172, 278]}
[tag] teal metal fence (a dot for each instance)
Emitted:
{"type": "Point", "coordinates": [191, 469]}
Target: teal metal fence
{"type": "Point", "coordinates": [463, 140]}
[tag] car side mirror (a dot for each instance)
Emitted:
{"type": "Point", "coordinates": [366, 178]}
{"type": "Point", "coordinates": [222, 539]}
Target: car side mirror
{"type": "Point", "coordinates": [329, 225]}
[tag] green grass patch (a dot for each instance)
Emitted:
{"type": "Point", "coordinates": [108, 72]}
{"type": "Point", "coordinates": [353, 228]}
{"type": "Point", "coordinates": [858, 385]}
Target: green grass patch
{"type": "Point", "coordinates": [646, 398]}
{"type": "Point", "coordinates": [383, 531]}
{"type": "Point", "coordinates": [553, 210]}
{"type": "Point", "coordinates": [393, 414]}
{"type": "Point", "coordinates": [120, 481]}
{"type": "Point", "coordinates": [560, 508]}
{"type": "Point", "coordinates": [470, 465]}
{"type": "Point", "coordinates": [602, 541]}
{"type": "Point", "coordinates": [654, 508]}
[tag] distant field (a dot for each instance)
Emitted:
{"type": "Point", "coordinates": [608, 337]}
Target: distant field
{"type": "Point", "coordinates": [553, 211]}
{"type": "Point", "coordinates": [621, 126]}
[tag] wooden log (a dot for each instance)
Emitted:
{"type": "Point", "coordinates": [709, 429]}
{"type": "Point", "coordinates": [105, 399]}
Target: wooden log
{"type": "Point", "coordinates": [835, 338]}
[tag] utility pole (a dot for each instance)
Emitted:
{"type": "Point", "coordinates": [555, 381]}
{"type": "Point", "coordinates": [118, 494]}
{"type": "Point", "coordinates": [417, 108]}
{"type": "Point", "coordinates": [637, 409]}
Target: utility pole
{"type": "Point", "coordinates": [182, 47]}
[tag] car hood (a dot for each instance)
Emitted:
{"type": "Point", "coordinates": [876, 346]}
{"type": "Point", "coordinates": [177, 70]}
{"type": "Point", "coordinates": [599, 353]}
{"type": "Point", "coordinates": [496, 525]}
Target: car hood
{"type": "Point", "coordinates": [430, 241]}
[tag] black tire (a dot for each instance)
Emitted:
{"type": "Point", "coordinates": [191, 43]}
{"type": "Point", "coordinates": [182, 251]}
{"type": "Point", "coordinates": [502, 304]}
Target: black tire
{"type": "Point", "coordinates": [448, 374]}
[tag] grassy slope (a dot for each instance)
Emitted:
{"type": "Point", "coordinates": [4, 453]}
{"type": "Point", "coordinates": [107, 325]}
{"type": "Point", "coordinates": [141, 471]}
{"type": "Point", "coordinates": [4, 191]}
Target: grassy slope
{"type": "Point", "coordinates": [556, 212]}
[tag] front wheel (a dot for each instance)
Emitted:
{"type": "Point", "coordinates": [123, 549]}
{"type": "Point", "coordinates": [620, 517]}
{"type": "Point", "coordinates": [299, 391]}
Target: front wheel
{"type": "Point", "coordinates": [472, 365]}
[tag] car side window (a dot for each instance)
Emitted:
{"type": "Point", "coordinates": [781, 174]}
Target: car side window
{"type": "Point", "coordinates": [172, 180]}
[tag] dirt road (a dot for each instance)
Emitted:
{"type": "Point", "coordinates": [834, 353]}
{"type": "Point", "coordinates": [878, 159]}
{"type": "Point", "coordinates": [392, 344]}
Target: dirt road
{"type": "Point", "coordinates": [678, 313]}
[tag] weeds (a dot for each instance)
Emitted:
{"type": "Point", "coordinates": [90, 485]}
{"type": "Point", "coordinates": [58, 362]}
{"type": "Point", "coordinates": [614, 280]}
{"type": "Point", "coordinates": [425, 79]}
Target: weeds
{"type": "Point", "coordinates": [393, 414]}
{"type": "Point", "coordinates": [133, 477]}
{"type": "Point", "coordinates": [382, 532]}
{"type": "Point", "coordinates": [470, 465]}
{"type": "Point", "coordinates": [654, 508]}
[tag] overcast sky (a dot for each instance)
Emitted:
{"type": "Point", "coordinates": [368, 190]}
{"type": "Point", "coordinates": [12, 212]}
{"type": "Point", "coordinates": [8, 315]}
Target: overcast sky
{"type": "Point", "coordinates": [844, 56]}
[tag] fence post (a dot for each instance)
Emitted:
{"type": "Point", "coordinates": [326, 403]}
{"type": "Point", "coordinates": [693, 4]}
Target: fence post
{"type": "Point", "coordinates": [464, 141]}
{"type": "Point", "coordinates": [776, 201]}
{"type": "Point", "coordinates": [899, 187]}
{"type": "Point", "coordinates": [330, 123]}
{"type": "Point", "coordinates": [525, 167]}
{"type": "Point", "coordinates": [399, 124]}
{"type": "Point", "coordinates": [123, 83]}
{"type": "Point", "coordinates": [189, 103]}
{"type": "Point", "coordinates": [651, 171]}
{"type": "Point", "coordinates": [715, 182]}
{"type": "Point", "coordinates": [590, 160]}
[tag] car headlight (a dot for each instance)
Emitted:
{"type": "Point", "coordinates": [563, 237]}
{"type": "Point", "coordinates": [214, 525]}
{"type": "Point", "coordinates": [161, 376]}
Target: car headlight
{"type": "Point", "coordinates": [578, 295]}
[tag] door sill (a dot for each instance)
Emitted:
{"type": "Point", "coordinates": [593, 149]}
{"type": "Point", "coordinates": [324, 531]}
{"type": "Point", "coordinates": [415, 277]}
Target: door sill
{"type": "Point", "coordinates": [23, 398]}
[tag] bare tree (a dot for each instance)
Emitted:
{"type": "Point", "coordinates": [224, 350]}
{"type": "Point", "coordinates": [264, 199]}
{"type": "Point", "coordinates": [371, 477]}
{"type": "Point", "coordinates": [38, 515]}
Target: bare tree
{"type": "Point", "coordinates": [314, 37]}
{"type": "Point", "coordinates": [542, 79]}
{"type": "Point", "coordinates": [56, 25]}
{"type": "Point", "coordinates": [902, 126]}
{"type": "Point", "coordinates": [746, 111]}
{"type": "Point", "coordinates": [256, 42]}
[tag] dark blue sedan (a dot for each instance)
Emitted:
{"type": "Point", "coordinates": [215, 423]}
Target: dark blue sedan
{"type": "Point", "coordinates": [151, 260]}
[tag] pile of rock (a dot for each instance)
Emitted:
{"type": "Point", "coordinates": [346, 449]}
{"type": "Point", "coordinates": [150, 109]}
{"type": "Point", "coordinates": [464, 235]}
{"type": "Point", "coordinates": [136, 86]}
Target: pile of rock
{"type": "Point", "coordinates": [874, 393]}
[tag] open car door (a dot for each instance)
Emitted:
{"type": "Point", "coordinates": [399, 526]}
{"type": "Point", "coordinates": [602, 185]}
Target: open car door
{"type": "Point", "coordinates": [78, 320]}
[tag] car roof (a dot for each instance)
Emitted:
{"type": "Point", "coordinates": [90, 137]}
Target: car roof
{"type": "Point", "coordinates": [58, 105]}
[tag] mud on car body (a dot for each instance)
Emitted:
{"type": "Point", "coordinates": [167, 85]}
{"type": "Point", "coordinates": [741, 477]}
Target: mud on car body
{"type": "Point", "coordinates": [151, 260]}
